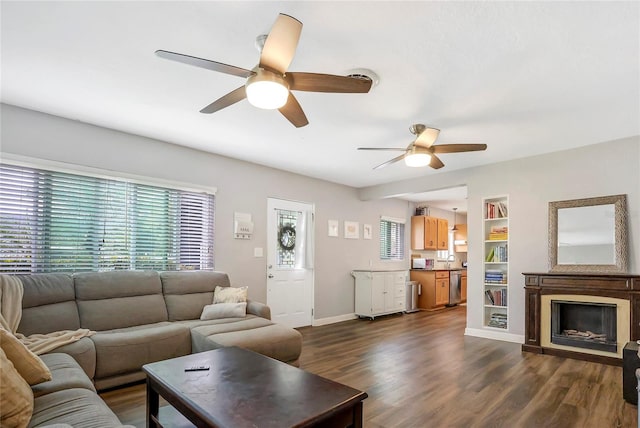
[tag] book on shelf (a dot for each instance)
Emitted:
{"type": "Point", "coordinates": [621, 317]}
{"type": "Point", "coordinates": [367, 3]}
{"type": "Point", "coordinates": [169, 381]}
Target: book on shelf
{"type": "Point", "coordinates": [498, 236]}
{"type": "Point", "coordinates": [498, 320]}
{"type": "Point", "coordinates": [496, 210]}
{"type": "Point", "coordinates": [497, 254]}
{"type": "Point", "coordinates": [489, 257]}
{"type": "Point", "coordinates": [497, 297]}
{"type": "Point", "coordinates": [489, 296]}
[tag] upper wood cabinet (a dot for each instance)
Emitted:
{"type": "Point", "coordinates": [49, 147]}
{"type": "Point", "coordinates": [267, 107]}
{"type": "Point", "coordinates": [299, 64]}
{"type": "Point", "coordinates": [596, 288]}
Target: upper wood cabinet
{"type": "Point", "coordinates": [443, 234]}
{"type": "Point", "coordinates": [460, 236]}
{"type": "Point", "coordinates": [424, 233]}
{"type": "Point", "coordinates": [429, 233]}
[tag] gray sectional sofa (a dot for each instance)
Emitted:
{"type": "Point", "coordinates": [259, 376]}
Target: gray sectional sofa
{"type": "Point", "coordinates": [139, 317]}
{"type": "Point", "coordinates": [69, 399]}
{"type": "Point", "coordinates": [142, 317]}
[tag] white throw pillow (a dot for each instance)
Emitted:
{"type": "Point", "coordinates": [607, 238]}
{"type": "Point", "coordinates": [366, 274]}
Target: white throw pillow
{"type": "Point", "coordinates": [224, 310]}
{"type": "Point", "coordinates": [230, 295]}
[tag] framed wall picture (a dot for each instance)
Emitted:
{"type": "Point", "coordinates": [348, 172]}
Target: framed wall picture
{"type": "Point", "coordinates": [366, 231]}
{"type": "Point", "coordinates": [333, 228]}
{"type": "Point", "coordinates": [351, 230]}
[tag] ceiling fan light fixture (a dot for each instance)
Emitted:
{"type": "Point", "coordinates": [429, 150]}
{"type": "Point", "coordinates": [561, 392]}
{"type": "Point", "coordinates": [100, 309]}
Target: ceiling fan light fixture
{"type": "Point", "coordinates": [267, 90]}
{"type": "Point", "coordinates": [417, 160]}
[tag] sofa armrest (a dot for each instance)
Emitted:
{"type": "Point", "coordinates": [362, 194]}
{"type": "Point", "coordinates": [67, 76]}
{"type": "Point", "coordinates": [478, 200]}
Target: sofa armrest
{"type": "Point", "coordinates": [259, 309]}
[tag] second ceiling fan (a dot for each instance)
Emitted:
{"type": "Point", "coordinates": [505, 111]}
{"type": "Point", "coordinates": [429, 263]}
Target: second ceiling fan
{"type": "Point", "coordinates": [268, 84]}
{"type": "Point", "coordinates": [422, 151]}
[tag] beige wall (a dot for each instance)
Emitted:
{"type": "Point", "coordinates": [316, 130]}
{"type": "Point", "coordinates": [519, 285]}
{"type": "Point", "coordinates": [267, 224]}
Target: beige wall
{"type": "Point", "coordinates": [531, 183]}
{"type": "Point", "coordinates": [242, 187]}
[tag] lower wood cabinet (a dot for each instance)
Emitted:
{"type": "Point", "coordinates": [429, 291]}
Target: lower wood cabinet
{"type": "Point", "coordinates": [379, 292]}
{"type": "Point", "coordinates": [434, 288]}
{"type": "Point", "coordinates": [463, 286]}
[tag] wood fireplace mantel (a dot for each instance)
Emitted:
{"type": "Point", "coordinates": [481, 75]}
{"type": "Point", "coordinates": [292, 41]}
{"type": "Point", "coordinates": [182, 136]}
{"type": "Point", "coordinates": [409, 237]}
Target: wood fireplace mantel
{"type": "Point", "coordinates": [615, 285]}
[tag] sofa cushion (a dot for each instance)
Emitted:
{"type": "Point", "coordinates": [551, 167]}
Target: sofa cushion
{"type": "Point", "coordinates": [28, 364]}
{"type": "Point", "coordinates": [230, 294]}
{"type": "Point", "coordinates": [119, 299]}
{"type": "Point", "coordinates": [66, 373]}
{"type": "Point", "coordinates": [16, 397]}
{"type": "Point", "coordinates": [127, 350]}
{"type": "Point", "coordinates": [78, 407]}
{"type": "Point", "coordinates": [256, 334]}
{"type": "Point", "coordinates": [48, 304]}
{"type": "Point", "coordinates": [186, 292]}
{"type": "Point", "coordinates": [224, 310]}
{"type": "Point", "coordinates": [83, 351]}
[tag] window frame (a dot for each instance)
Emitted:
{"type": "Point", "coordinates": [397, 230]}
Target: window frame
{"type": "Point", "coordinates": [385, 249]}
{"type": "Point", "coordinates": [179, 221]}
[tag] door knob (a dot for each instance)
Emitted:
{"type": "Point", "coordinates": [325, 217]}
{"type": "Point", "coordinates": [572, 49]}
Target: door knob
{"type": "Point", "coordinates": [270, 276]}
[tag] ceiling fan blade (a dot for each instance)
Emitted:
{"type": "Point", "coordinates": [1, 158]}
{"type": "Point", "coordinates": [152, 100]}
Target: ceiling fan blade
{"type": "Point", "coordinates": [389, 162]}
{"type": "Point", "coordinates": [225, 101]}
{"type": "Point", "coordinates": [383, 148]}
{"type": "Point", "coordinates": [427, 137]}
{"type": "Point", "coordinates": [318, 82]}
{"type": "Point", "coordinates": [293, 112]}
{"type": "Point", "coordinates": [435, 163]}
{"type": "Point", "coordinates": [205, 63]}
{"type": "Point", "coordinates": [458, 148]}
{"type": "Point", "coordinates": [281, 44]}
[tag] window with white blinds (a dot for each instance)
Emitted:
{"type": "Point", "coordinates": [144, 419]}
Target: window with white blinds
{"type": "Point", "coordinates": [391, 239]}
{"type": "Point", "coordinates": [59, 222]}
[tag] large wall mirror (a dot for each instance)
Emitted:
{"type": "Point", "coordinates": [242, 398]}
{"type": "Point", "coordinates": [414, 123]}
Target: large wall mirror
{"type": "Point", "coordinates": [588, 235]}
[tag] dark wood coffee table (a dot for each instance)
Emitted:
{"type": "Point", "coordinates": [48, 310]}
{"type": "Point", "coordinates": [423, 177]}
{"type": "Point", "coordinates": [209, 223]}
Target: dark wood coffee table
{"type": "Point", "coordinates": [246, 389]}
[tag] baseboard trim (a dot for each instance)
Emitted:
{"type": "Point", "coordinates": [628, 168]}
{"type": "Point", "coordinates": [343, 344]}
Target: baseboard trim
{"type": "Point", "coordinates": [333, 320]}
{"type": "Point", "coordinates": [495, 335]}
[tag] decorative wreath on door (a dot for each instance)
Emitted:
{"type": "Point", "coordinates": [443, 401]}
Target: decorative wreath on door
{"type": "Point", "coordinates": [287, 237]}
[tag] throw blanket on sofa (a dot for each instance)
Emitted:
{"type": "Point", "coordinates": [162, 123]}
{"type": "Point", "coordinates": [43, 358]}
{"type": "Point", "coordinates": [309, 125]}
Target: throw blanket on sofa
{"type": "Point", "coordinates": [11, 292]}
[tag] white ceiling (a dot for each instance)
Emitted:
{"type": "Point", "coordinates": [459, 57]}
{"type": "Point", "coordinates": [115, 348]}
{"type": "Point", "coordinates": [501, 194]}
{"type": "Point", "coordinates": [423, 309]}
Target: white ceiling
{"type": "Point", "coordinates": [523, 77]}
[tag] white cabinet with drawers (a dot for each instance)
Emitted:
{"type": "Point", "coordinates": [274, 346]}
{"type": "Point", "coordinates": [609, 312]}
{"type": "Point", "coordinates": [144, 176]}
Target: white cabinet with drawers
{"type": "Point", "coordinates": [380, 292]}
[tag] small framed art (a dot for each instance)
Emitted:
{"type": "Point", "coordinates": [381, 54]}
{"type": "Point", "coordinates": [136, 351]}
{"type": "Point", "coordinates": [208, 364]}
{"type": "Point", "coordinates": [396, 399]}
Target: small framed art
{"type": "Point", "coordinates": [351, 229]}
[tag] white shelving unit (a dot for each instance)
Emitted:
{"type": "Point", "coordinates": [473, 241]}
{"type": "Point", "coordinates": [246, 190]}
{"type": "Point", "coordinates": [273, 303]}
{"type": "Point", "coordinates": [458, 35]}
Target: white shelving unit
{"type": "Point", "coordinates": [496, 262]}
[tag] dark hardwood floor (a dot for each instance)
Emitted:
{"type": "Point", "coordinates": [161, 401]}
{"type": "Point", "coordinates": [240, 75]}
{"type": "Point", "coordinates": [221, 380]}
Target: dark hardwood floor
{"type": "Point", "coordinates": [420, 370]}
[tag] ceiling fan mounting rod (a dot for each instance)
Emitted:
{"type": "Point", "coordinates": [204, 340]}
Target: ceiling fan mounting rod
{"type": "Point", "coordinates": [417, 128]}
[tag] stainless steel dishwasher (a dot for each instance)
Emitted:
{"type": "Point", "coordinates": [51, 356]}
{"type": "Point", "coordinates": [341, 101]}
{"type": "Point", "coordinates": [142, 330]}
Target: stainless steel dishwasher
{"type": "Point", "coordinates": [455, 282]}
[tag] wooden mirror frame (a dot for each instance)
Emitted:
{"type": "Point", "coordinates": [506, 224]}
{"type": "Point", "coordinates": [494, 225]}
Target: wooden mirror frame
{"type": "Point", "coordinates": [621, 245]}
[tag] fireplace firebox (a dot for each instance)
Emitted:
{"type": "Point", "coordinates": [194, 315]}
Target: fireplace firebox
{"type": "Point", "coordinates": [584, 325]}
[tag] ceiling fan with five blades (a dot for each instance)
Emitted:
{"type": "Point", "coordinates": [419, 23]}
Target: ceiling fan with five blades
{"type": "Point", "coordinates": [269, 85]}
{"type": "Point", "coordinates": [422, 151]}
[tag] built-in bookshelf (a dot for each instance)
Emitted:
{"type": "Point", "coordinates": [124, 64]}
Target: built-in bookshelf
{"type": "Point", "coordinates": [496, 262]}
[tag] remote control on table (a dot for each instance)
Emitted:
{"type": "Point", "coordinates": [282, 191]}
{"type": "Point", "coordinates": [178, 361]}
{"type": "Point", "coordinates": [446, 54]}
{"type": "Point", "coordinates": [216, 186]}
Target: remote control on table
{"type": "Point", "coordinates": [196, 368]}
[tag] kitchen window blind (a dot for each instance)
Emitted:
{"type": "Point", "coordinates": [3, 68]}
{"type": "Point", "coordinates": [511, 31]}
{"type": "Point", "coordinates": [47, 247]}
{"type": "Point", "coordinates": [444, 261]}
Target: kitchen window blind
{"type": "Point", "coordinates": [391, 239]}
{"type": "Point", "coordinates": [60, 222]}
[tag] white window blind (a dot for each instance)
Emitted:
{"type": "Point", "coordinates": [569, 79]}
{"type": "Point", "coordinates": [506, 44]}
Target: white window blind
{"type": "Point", "coordinates": [59, 222]}
{"type": "Point", "coordinates": [391, 239]}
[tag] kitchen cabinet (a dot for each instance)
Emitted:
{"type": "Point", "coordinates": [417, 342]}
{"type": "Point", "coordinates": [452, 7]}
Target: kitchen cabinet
{"type": "Point", "coordinates": [460, 238]}
{"type": "Point", "coordinates": [434, 288]}
{"type": "Point", "coordinates": [379, 292]}
{"type": "Point", "coordinates": [463, 287]}
{"type": "Point", "coordinates": [442, 288]}
{"type": "Point", "coordinates": [429, 233]}
{"type": "Point", "coordinates": [443, 234]}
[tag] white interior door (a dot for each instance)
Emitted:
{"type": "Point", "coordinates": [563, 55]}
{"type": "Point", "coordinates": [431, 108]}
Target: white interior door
{"type": "Point", "coordinates": [290, 259]}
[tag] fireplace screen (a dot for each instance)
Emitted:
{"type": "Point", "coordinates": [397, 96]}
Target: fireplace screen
{"type": "Point", "coordinates": [584, 325]}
